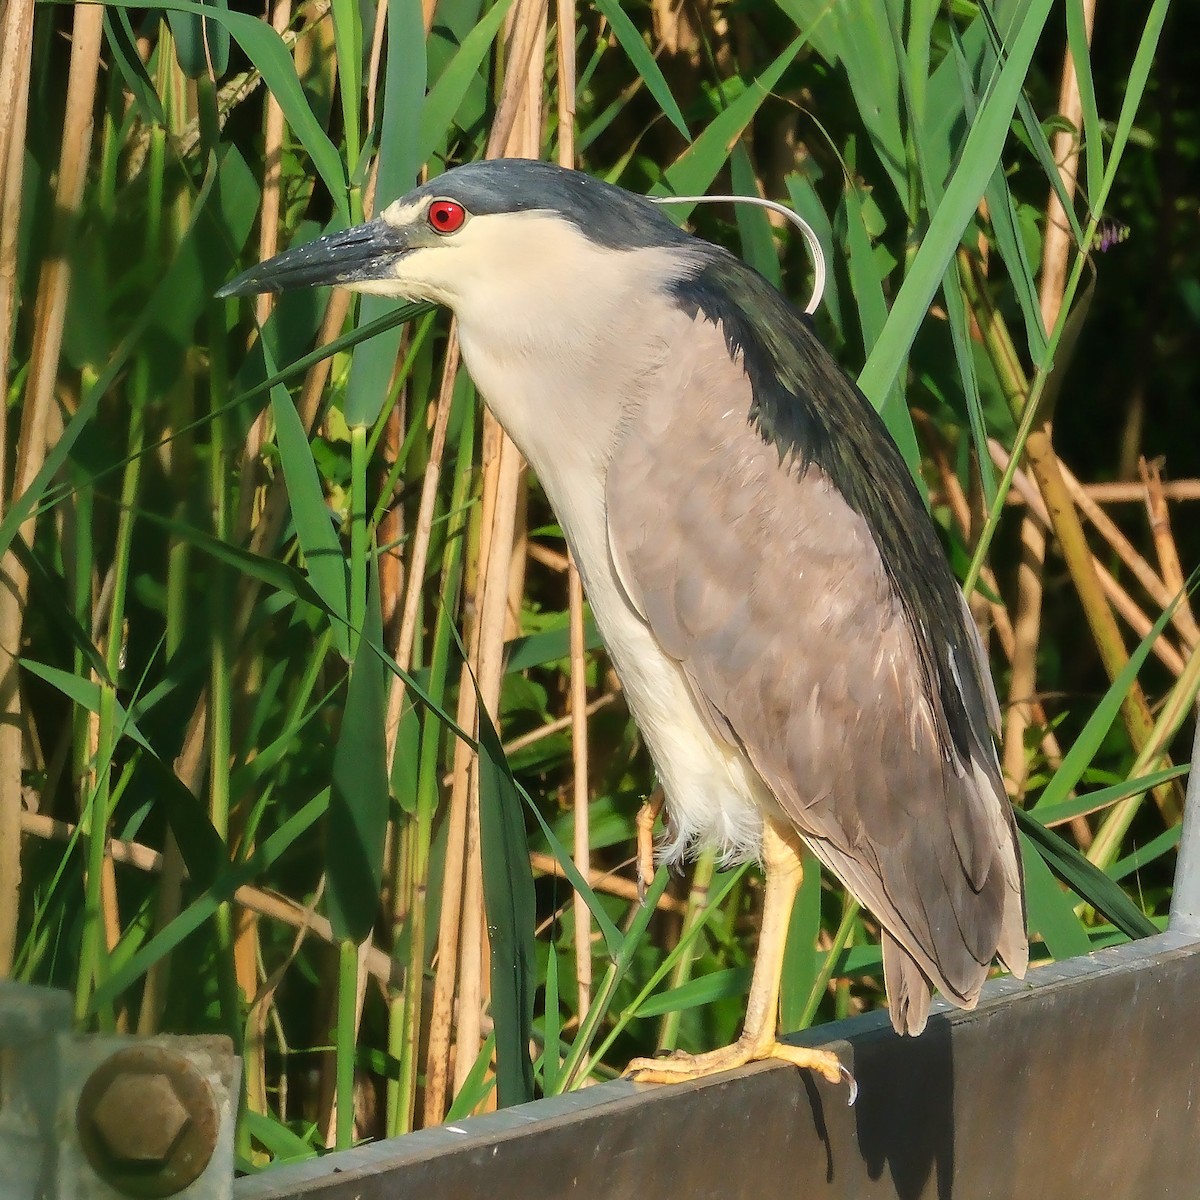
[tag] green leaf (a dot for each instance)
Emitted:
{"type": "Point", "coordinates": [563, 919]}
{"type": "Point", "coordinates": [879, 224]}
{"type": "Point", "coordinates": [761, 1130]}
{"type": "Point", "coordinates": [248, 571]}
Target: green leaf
{"type": "Point", "coordinates": [323, 554]}
{"type": "Point", "coordinates": [265, 49]}
{"type": "Point", "coordinates": [512, 914]}
{"type": "Point", "coordinates": [358, 808]}
{"type": "Point", "coordinates": [718, 985]}
{"type": "Point", "coordinates": [203, 907]}
{"type": "Point", "coordinates": [695, 169]}
{"type": "Point", "coordinates": [1093, 149]}
{"type": "Point", "coordinates": [1089, 802]}
{"type": "Point", "coordinates": [199, 42]}
{"type": "Point", "coordinates": [1050, 911]}
{"type": "Point", "coordinates": [1088, 881]}
{"type": "Point", "coordinates": [980, 154]}
{"type": "Point", "coordinates": [537, 649]}
{"type": "Point", "coordinates": [552, 1026]}
{"type": "Point", "coordinates": [643, 62]}
{"type": "Point", "coordinates": [800, 953]}
{"type": "Point", "coordinates": [448, 93]}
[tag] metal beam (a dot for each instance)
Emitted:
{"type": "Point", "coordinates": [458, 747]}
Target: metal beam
{"type": "Point", "coordinates": [1081, 1082]}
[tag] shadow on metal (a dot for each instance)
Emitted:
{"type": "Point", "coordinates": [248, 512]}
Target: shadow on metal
{"type": "Point", "coordinates": [1081, 1082]}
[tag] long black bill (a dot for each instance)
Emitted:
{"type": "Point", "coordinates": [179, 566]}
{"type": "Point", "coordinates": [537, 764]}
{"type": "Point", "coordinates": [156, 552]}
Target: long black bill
{"type": "Point", "coordinates": [352, 256]}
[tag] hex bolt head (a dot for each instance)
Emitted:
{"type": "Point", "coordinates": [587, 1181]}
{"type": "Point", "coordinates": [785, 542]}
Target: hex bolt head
{"type": "Point", "coordinates": [139, 1119]}
{"type": "Point", "coordinates": [147, 1121]}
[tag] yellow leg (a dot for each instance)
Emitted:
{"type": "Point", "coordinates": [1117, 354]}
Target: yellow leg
{"type": "Point", "coordinates": [784, 869]}
{"type": "Point", "coordinates": [646, 817]}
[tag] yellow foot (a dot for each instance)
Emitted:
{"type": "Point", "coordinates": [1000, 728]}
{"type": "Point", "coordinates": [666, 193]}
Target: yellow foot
{"type": "Point", "coordinates": [680, 1067]}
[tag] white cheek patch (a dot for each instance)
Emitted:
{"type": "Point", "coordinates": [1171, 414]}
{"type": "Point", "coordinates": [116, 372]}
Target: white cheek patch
{"type": "Point", "coordinates": [398, 214]}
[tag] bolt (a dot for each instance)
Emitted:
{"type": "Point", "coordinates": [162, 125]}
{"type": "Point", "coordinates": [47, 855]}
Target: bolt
{"type": "Point", "coordinates": [139, 1119]}
{"type": "Point", "coordinates": [147, 1121]}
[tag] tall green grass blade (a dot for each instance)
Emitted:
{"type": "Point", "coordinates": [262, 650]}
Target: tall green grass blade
{"type": "Point", "coordinates": [1144, 855]}
{"type": "Point", "coordinates": [477, 1085]}
{"type": "Point", "coordinates": [1085, 746]}
{"type": "Point", "coordinates": [1090, 802]}
{"type": "Point", "coordinates": [867, 287]}
{"type": "Point", "coordinates": [123, 44]}
{"type": "Point", "coordinates": [758, 243]}
{"type": "Point", "coordinates": [1081, 57]}
{"type": "Point", "coordinates": [552, 1025]}
{"type": "Point", "coordinates": [374, 361]}
{"type": "Point", "coordinates": [358, 808]}
{"type": "Point", "coordinates": [205, 906]}
{"type": "Point", "coordinates": [323, 554]}
{"type": "Point", "coordinates": [695, 169]}
{"type": "Point", "coordinates": [800, 953]}
{"type": "Point", "coordinates": [1003, 213]}
{"type": "Point", "coordinates": [1050, 912]}
{"type": "Point", "coordinates": [708, 989]}
{"type": "Point", "coordinates": [980, 154]}
{"type": "Point", "coordinates": [447, 94]}
{"type": "Point", "coordinates": [643, 62]}
{"type": "Point", "coordinates": [1135, 89]}
{"type": "Point", "coordinates": [265, 49]}
{"type": "Point", "coordinates": [200, 45]}
{"type": "Point", "coordinates": [1087, 880]}
{"type": "Point", "coordinates": [1030, 124]}
{"type": "Point", "coordinates": [512, 914]}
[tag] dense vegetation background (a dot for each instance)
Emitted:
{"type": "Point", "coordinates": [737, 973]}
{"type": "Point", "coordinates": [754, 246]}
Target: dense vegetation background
{"type": "Point", "coordinates": [242, 576]}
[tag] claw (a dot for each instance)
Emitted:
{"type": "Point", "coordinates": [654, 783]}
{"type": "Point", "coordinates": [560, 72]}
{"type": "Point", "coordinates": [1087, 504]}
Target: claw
{"type": "Point", "coordinates": [853, 1083]}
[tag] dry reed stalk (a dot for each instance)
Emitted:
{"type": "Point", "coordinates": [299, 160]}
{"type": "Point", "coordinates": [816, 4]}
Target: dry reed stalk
{"type": "Point", "coordinates": [605, 881]}
{"type": "Point", "coordinates": [16, 46]}
{"type": "Point", "coordinates": [421, 536]}
{"type": "Point", "coordinates": [1166, 549]}
{"type": "Point", "coordinates": [489, 670]}
{"type": "Point", "coordinates": [1122, 493]}
{"type": "Point", "coordinates": [557, 725]}
{"type": "Point", "coordinates": [259, 900]}
{"type": "Point", "coordinates": [1117, 493]}
{"type": "Point", "coordinates": [515, 131]}
{"type": "Point", "coordinates": [548, 557]}
{"type": "Point", "coordinates": [1155, 587]}
{"type": "Point", "coordinates": [579, 776]}
{"type": "Point", "coordinates": [1111, 590]}
{"type": "Point", "coordinates": [1043, 462]}
{"type": "Point", "coordinates": [49, 317]}
{"type": "Point", "coordinates": [582, 917]}
{"type": "Point", "coordinates": [441, 1012]}
{"type": "Point", "coordinates": [1027, 628]}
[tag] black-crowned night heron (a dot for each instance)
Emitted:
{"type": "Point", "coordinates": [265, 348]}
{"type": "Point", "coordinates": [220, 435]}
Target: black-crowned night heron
{"type": "Point", "coordinates": [791, 641]}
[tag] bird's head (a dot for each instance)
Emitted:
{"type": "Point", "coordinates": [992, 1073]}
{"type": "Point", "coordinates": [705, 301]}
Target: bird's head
{"type": "Point", "coordinates": [476, 236]}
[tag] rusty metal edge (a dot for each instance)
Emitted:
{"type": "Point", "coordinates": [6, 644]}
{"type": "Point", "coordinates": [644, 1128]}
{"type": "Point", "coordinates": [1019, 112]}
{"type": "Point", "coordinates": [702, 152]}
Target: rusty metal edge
{"type": "Point", "coordinates": [337, 1172]}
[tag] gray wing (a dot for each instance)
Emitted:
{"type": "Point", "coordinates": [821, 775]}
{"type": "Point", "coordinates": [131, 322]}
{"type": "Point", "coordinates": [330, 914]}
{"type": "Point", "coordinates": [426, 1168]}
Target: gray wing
{"type": "Point", "coordinates": [768, 589]}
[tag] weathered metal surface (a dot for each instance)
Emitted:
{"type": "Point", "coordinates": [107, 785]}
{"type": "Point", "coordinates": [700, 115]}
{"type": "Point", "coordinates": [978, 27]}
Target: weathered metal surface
{"type": "Point", "coordinates": [148, 1121]}
{"type": "Point", "coordinates": [155, 1115]}
{"type": "Point", "coordinates": [31, 1021]}
{"type": "Point", "coordinates": [1082, 1082]}
{"type": "Point", "coordinates": [1185, 899]}
{"type": "Point", "coordinates": [119, 1099]}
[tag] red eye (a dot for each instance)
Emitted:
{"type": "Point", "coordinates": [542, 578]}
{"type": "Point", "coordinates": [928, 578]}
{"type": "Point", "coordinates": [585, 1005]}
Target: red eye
{"type": "Point", "coordinates": [446, 217]}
